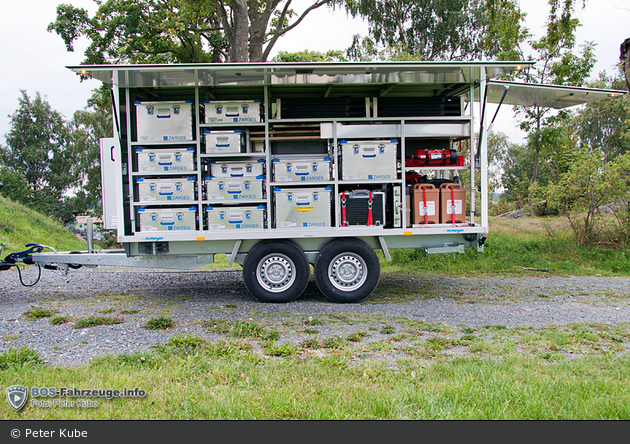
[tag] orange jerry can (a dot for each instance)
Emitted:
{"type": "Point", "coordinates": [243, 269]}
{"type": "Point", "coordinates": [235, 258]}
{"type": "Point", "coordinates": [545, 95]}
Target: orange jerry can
{"type": "Point", "coordinates": [426, 202]}
{"type": "Point", "coordinates": [452, 203]}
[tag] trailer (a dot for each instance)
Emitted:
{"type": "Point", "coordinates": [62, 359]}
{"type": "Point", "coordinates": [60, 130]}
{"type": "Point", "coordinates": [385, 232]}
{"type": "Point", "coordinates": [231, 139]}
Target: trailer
{"type": "Point", "coordinates": [281, 166]}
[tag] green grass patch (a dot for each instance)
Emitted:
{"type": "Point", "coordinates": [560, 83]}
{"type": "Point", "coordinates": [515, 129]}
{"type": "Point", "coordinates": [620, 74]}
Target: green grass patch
{"type": "Point", "coordinates": [20, 225]}
{"type": "Point", "coordinates": [159, 323]}
{"type": "Point", "coordinates": [93, 321]}
{"type": "Point", "coordinates": [58, 320]}
{"type": "Point", "coordinates": [35, 313]}
{"type": "Point", "coordinates": [188, 378]}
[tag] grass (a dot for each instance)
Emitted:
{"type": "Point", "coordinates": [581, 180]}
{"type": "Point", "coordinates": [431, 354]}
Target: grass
{"type": "Point", "coordinates": [159, 323]}
{"type": "Point", "coordinates": [93, 321]}
{"type": "Point", "coordinates": [530, 242]}
{"type": "Point", "coordinates": [192, 378]}
{"type": "Point", "coordinates": [20, 225]}
{"type": "Point", "coordinates": [35, 313]}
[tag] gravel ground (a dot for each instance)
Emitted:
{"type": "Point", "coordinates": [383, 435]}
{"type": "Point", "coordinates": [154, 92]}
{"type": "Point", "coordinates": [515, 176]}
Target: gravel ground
{"type": "Point", "coordinates": [192, 297]}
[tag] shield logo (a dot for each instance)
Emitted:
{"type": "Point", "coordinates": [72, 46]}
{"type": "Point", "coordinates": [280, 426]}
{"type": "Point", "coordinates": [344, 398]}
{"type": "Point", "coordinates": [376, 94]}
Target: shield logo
{"type": "Point", "coordinates": [17, 396]}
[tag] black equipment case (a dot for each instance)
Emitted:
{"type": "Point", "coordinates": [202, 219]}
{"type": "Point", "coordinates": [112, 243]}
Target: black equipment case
{"type": "Point", "coordinates": [362, 207]}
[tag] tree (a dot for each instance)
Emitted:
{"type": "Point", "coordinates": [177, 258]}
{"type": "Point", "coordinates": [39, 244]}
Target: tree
{"type": "Point", "coordinates": [556, 63]}
{"type": "Point", "coordinates": [311, 56]}
{"type": "Point", "coordinates": [603, 127]}
{"type": "Point", "coordinates": [425, 29]}
{"type": "Point", "coordinates": [37, 157]}
{"type": "Point", "coordinates": [179, 31]}
{"type": "Point", "coordinates": [87, 127]}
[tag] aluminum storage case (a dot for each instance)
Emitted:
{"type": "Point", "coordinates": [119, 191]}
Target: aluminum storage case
{"type": "Point", "coordinates": [168, 219]}
{"type": "Point", "coordinates": [232, 111]}
{"type": "Point", "coordinates": [362, 207]}
{"type": "Point", "coordinates": [157, 160]}
{"type": "Point", "coordinates": [164, 121]}
{"type": "Point", "coordinates": [368, 159]}
{"type": "Point", "coordinates": [301, 169]}
{"type": "Point", "coordinates": [223, 141]}
{"type": "Point", "coordinates": [236, 218]}
{"type": "Point", "coordinates": [237, 168]}
{"type": "Point", "coordinates": [228, 188]}
{"type": "Point", "coordinates": [176, 189]}
{"type": "Point", "coordinates": [302, 207]}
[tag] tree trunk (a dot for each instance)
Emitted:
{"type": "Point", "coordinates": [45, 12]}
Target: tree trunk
{"type": "Point", "coordinates": [240, 32]}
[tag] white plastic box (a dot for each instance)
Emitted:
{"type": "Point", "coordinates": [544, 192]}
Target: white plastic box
{"type": "Point", "coordinates": [168, 219]}
{"type": "Point", "coordinates": [234, 189]}
{"type": "Point", "coordinates": [176, 189]}
{"type": "Point", "coordinates": [223, 141]}
{"type": "Point", "coordinates": [299, 169]}
{"type": "Point", "coordinates": [165, 159]}
{"type": "Point", "coordinates": [232, 111]}
{"type": "Point", "coordinates": [237, 168]}
{"type": "Point", "coordinates": [236, 218]}
{"type": "Point", "coordinates": [164, 121]}
{"type": "Point", "coordinates": [368, 160]}
{"type": "Point", "coordinates": [302, 207]}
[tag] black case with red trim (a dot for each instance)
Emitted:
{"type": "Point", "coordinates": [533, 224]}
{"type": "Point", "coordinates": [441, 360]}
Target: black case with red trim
{"type": "Point", "coordinates": [357, 207]}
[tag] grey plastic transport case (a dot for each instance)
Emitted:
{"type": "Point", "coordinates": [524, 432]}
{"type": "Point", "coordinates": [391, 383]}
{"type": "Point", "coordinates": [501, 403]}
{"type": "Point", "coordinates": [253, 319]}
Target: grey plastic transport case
{"type": "Point", "coordinates": [232, 111]}
{"type": "Point", "coordinates": [236, 218]}
{"type": "Point", "coordinates": [300, 169]}
{"type": "Point", "coordinates": [368, 160]}
{"type": "Point", "coordinates": [155, 160]}
{"type": "Point", "coordinates": [168, 219]}
{"type": "Point", "coordinates": [302, 207]}
{"type": "Point", "coordinates": [224, 189]}
{"type": "Point", "coordinates": [174, 189]}
{"type": "Point", "coordinates": [164, 121]}
{"type": "Point", "coordinates": [230, 141]}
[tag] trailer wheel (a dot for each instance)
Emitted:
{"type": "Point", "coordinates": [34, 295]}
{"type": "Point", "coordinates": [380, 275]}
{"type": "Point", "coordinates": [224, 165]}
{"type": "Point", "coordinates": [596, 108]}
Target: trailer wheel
{"type": "Point", "coordinates": [276, 271]}
{"type": "Point", "coordinates": [347, 270]}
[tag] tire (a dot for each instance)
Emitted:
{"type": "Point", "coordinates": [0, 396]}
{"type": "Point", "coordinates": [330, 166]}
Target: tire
{"type": "Point", "coordinates": [276, 271]}
{"type": "Point", "coordinates": [347, 270]}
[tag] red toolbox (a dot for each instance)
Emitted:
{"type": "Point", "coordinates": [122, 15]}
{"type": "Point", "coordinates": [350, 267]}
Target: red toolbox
{"type": "Point", "coordinates": [439, 157]}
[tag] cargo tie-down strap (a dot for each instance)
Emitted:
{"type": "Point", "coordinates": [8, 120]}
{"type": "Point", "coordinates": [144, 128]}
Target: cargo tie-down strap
{"type": "Point", "coordinates": [453, 203]}
{"type": "Point", "coordinates": [369, 217]}
{"type": "Point", "coordinates": [344, 221]}
{"type": "Point", "coordinates": [426, 208]}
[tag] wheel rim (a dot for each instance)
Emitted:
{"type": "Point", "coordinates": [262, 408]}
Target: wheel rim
{"type": "Point", "coordinates": [347, 272]}
{"type": "Point", "coordinates": [275, 273]}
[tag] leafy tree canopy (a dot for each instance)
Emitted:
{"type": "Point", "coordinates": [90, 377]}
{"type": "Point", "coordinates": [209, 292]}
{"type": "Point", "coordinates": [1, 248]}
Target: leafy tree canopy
{"type": "Point", "coordinates": [178, 31]}
{"type": "Point", "coordinates": [37, 163]}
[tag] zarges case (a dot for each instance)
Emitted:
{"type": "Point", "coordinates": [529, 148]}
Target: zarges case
{"type": "Point", "coordinates": [237, 168]}
{"type": "Point", "coordinates": [368, 159]}
{"type": "Point", "coordinates": [362, 207]}
{"type": "Point", "coordinates": [300, 169]}
{"type": "Point", "coordinates": [157, 160]}
{"type": "Point", "coordinates": [232, 111]}
{"type": "Point", "coordinates": [164, 121]}
{"type": "Point", "coordinates": [236, 218]}
{"type": "Point", "coordinates": [168, 219]}
{"type": "Point", "coordinates": [302, 207]}
{"type": "Point", "coordinates": [224, 141]}
{"type": "Point", "coordinates": [176, 189]}
{"type": "Point", "coordinates": [221, 189]}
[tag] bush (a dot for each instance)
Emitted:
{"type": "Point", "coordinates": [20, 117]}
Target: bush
{"type": "Point", "coordinates": [594, 196]}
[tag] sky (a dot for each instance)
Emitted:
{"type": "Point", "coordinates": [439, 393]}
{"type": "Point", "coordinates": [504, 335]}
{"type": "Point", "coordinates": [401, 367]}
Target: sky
{"type": "Point", "coordinates": [35, 60]}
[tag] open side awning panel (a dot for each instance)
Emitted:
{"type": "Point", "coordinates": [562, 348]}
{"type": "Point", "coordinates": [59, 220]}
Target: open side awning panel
{"type": "Point", "coordinates": [548, 96]}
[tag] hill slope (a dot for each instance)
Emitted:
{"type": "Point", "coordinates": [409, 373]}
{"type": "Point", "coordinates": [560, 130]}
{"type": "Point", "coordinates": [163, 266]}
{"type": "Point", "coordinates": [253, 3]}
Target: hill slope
{"type": "Point", "coordinates": [20, 225]}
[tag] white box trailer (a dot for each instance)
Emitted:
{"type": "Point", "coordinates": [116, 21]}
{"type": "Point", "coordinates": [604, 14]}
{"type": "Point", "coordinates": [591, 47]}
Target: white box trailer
{"type": "Point", "coordinates": [399, 107]}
